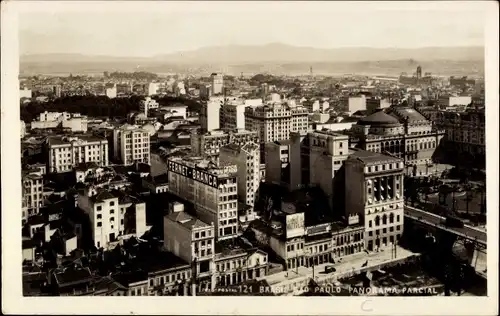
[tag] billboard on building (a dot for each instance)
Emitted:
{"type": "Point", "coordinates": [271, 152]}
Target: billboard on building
{"type": "Point", "coordinates": [318, 229]}
{"type": "Point", "coordinates": [193, 173]}
{"type": "Point", "coordinates": [295, 225]}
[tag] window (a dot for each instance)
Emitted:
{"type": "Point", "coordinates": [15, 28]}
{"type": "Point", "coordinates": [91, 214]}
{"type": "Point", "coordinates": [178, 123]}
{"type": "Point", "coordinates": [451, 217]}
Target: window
{"type": "Point", "coordinates": [197, 235]}
{"type": "Point", "coordinates": [112, 203]}
{"type": "Point", "coordinates": [99, 216]}
{"type": "Point", "coordinates": [99, 208]}
{"type": "Point", "coordinates": [99, 224]}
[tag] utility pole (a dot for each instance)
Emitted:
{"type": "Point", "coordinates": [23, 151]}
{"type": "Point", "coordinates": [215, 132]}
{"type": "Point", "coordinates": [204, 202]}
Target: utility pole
{"type": "Point", "coordinates": [296, 263]}
{"type": "Point", "coordinates": [193, 277]}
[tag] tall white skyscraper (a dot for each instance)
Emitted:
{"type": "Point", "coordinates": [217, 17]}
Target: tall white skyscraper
{"type": "Point", "coordinates": [217, 83]}
{"type": "Point", "coordinates": [210, 115]}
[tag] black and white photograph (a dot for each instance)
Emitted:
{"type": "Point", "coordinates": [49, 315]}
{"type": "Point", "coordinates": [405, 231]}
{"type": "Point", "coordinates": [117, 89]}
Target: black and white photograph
{"type": "Point", "coordinates": [193, 150]}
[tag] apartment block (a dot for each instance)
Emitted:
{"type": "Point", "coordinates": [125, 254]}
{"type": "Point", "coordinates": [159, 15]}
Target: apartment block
{"type": "Point", "coordinates": [131, 144]}
{"type": "Point", "coordinates": [66, 152]}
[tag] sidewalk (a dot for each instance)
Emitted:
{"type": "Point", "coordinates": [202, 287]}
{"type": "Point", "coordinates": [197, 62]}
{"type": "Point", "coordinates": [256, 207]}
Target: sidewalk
{"type": "Point", "coordinates": [287, 281]}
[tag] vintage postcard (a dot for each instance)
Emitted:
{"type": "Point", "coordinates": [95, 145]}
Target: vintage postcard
{"type": "Point", "coordinates": [237, 157]}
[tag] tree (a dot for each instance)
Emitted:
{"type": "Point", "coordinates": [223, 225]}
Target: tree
{"type": "Point", "coordinates": [468, 197]}
{"type": "Point", "coordinates": [95, 106]}
{"type": "Point", "coordinates": [481, 189]}
{"type": "Point", "coordinates": [444, 192]}
{"type": "Point", "coordinates": [426, 191]}
{"type": "Point", "coordinates": [268, 207]}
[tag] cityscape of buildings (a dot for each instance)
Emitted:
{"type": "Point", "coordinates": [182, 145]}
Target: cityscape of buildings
{"type": "Point", "coordinates": [253, 184]}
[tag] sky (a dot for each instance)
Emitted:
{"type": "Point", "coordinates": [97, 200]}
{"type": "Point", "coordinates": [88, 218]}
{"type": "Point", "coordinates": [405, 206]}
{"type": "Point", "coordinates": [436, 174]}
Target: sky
{"type": "Point", "coordinates": [148, 29]}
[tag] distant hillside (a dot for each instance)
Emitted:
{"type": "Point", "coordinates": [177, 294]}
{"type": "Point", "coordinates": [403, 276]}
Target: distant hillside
{"type": "Point", "coordinates": [291, 54]}
{"type": "Point", "coordinates": [273, 58]}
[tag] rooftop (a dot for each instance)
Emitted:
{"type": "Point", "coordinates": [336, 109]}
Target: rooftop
{"type": "Point", "coordinates": [73, 274]}
{"type": "Point", "coordinates": [161, 261]}
{"type": "Point", "coordinates": [406, 112]}
{"type": "Point", "coordinates": [86, 165]}
{"type": "Point", "coordinates": [187, 220]}
{"type": "Point", "coordinates": [379, 118]}
{"type": "Point", "coordinates": [369, 157]}
{"type": "Point", "coordinates": [328, 132]}
{"type": "Point", "coordinates": [63, 140]}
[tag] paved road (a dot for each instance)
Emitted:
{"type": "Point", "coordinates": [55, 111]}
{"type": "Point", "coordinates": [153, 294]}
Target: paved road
{"type": "Point", "coordinates": [429, 218]}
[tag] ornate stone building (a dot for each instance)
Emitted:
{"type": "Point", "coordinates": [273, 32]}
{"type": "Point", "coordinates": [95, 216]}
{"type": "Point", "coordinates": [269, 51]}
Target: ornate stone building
{"type": "Point", "coordinates": [402, 132]}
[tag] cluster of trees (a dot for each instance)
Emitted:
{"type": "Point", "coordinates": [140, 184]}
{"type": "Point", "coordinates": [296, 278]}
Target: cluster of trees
{"type": "Point", "coordinates": [95, 106]}
{"type": "Point", "coordinates": [138, 75]}
{"type": "Point", "coordinates": [273, 80]}
{"type": "Point", "coordinates": [193, 105]}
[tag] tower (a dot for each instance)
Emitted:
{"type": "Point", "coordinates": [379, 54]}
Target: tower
{"type": "Point", "coordinates": [419, 73]}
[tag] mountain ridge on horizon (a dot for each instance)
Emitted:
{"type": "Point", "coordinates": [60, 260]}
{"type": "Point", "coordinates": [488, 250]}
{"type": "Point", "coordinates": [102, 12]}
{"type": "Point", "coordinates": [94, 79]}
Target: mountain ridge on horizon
{"type": "Point", "coordinates": [273, 52]}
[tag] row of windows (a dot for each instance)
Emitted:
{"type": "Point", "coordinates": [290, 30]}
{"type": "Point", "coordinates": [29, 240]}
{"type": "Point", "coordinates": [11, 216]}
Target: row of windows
{"type": "Point", "coordinates": [227, 189]}
{"type": "Point", "coordinates": [227, 231]}
{"type": "Point", "coordinates": [202, 252]}
{"type": "Point", "coordinates": [169, 278]}
{"type": "Point", "coordinates": [111, 220]}
{"type": "Point", "coordinates": [293, 247]}
{"type": "Point", "coordinates": [111, 203]}
{"type": "Point", "coordinates": [384, 231]}
{"type": "Point", "coordinates": [226, 198]}
{"type": "Point", "coordinates": [228, 222]}
{"type": "Point", "coordinates": [228, 214]}
{"type": "Point", "coordinates": [228, 265]}
{"type": "Point", "coordinates": [227, 206]}
{"type": "Point", "coordinates": [384, 219]}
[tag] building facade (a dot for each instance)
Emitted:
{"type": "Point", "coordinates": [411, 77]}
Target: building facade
{"type": "Point", "coordinates": [112, 215]}
{"type": "Point", "coordinates": [32, 193]}
{"type": "Point", "coordinates": [275, 122]}
{"type": "Point", "coordinates": [192, 240]}
{"type": "Point", "coordinates": [247, 159]}
{"type": "Point", "coordinates": [147, 104]}
{"type": "Point", "coordinates": [232, 116]}
{"type": "Point", "coordinates": [278, 163]}
{"type": "Point", "coordinates": [67, 152]}
{"type": "Point", "coordinates": [208, 144]}
{"type": "Point", "coordinates": [217, 83]}
{"type": "Point", "coordinates": [210, 115]}
{"type": "Point", "coordinates": [404, 133]}
{"type": "Point", "coordinates": [465, 132]}
{"type": "Point", "coordinates": [327, 152]}
{"type": "Point", "coordinates": [239, 266]}
{"type": "Point", "coordinates": [131, 144]}
{"type": "Point", "coordinates": [212, 189]}
{"type": "Point", "coordinates": [355, 104]}
{"type": "Point", "coordinates": [375, 195]}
